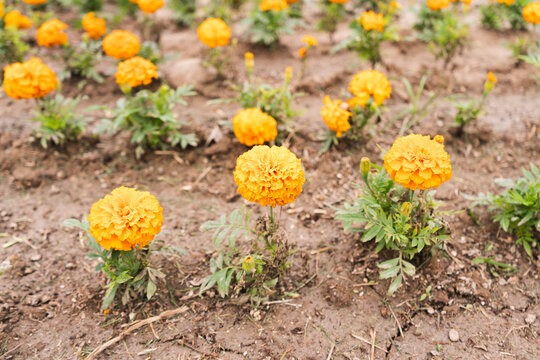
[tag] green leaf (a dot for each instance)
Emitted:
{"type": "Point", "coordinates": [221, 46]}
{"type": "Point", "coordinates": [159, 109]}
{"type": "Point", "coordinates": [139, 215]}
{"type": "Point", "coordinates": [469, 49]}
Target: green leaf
{"type": "Point", "coordinates": [109, 295]}
{"type": "Point", "coordinates": [395, 285]}
{"type": "Point", "coordinates": [527, 247]}
{"type": "Point", "coordinates": [150, 289]}
{"type": "Point", "coordinates": [390, 273]}
{"type": "Point", "coordinates": [408, 268]}
{"type": "Point", "coordinates": [388, 263]}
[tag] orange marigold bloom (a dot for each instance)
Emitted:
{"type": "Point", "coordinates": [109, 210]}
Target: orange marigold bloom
{"type": "Point", "coordinates": [276, 5]}
{"type": "Point", "coordinates": [269, 176]}
{"type": "Point", "coordinates": [302, 52]}
{"type": "Point", "coordinates": [417, 162]}
{"type": "Point", "coordinates": [309, 40]}
{"type": "Point", "coordinates": [372, 21]}
{"type": "Point", "coordinates": [437, 4]}
{"type": "Point", "coordinates": [338, 1]}
{"type": "Point", "coordinates": [51, 33]}
{"type": "Point", "coordinates": [254, 127]}
{"type": "Point", "coordinates": [214, 32]}
{"type": "Point", "coordinates": [507, 2]}
{"type": "Point", "coordinates": [335, 117]}
{"type": "Point", "coordinates": [491, 77]}
{"type": "Point", "coordinates": [121, 44]}
{"type": "Point", "coordinates": [150, 6]}
{"type": "Point", "coordinates": [369, 83]}
{"type": "Point", "coordinates": [125, 218]}
{"type": "Point", "coordinates": [95, 27]}
{"type": "Point", "coordinates": [35, 2]}
{"type": "Point", "coordinates": [135, 72]}
{"type": "Point", "coordinates": [531, 12]}
{"type": "Point", "coordinates": [15, 19]}
{"type": "Point", "coordinates": [30, 79]}
{"type": "Point", "coordinates": [1, 9]}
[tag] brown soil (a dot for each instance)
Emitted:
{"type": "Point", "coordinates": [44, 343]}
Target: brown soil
{"type": "Point", "coordinates": [50, 297]}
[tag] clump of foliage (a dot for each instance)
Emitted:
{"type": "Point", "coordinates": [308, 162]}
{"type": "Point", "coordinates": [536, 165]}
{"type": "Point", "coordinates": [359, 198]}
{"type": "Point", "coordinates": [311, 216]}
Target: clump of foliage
{"type": "Point", "coordinates": [517, 209]}
{"type": "Point", "coordinates": [442, 31]}
{"type": "Point", "coordinates": [59, 119]}
{"type": "Point", "coordinates": [12, 47]}
{"type": "Point", "coordinates": [184, 11]}
{"type": "Point", "coordinates": [149, 117]}
{"type": "Point", "coordinates": [498, 15]}
{"type": "Point", "coordinates": [265, 26]}
{"type": "Point", "coordinates": [396, 219]}
{"type": "Point", "coordinates": [81, 62]}
{"type": "Point", "coordinates": [251, 272]}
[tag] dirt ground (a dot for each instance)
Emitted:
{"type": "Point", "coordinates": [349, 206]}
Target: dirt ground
{"type": "Point", "coordinates": [50, 296]}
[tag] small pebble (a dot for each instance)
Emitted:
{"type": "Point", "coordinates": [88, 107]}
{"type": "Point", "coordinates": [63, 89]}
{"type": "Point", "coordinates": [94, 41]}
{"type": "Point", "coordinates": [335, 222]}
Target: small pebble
{"type": "Point", "coordinates": [453, 335]}
{"type": "Point", "coordinates": [531, 318]}
{"type": "Point", "coordinates": [36, 257]}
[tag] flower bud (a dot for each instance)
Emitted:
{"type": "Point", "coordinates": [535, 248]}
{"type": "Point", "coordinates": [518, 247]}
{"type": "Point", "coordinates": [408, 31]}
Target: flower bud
{"type": "Point", "coordinates": [439, 139]}
{"type": "Point", "coordinates": [288, 74]}
{"type": "Point", "coordinates": [248, 264]}
{"type": "Point", "coordinates": [406, 208]}
{"type": "Point", "coordinates": [249, 60]}
{"type": "Point", "coordinates": [365, 166]}
{"type": "Point", "coordinates": [490, 83]}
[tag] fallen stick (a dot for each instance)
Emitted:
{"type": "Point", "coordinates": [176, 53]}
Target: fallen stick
{"type": "Point", "coordinates": [373, 333]}
{"type": "Point", "coordinates": [164, 315]}
{"type": "Point", "coordinates": [368, 342]}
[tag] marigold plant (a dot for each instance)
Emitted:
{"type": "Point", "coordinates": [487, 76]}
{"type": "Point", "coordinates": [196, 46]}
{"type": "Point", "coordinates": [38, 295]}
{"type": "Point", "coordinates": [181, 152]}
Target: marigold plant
{"type": "Point", "coordinates": [135, 72]}
{"type": "Point", "coordinates": [268, 20]}
{"type": "Point", "coordinates": [502, 13]}
{"type": "Point", "coordinates": [333, 12]}
{"type": "Point", "coordinates": [517, 208]}
{"type": "Point", "coordinates": [120, 228]}
{"type": "Point", "coordinates": [396, 219]}
{"type": "Point", "coordinates": [15, 19]}
{"type": "Point", "coordinates": [269, 176]}
{"type": "Point", "coordinates": [417, 162]}
{"type": "Point", "coordinates": [254, 127]}
{"type": "Point", "coordinates": [58, 116]}
{"type": "Point", "coordinates": [215, 33]}
{"type": "Point", "coordinates": [442, 31]}
{"type": "Point", "coordinates": [149, 117]}
{"type": "Point", "coordinates": [121, 44]}
{"type": "Point", "coordinates": [95, 27]}
{"type": "Point", "coordinates": [51, 33]}
{"type": "Point", "coordinates": [470, 111]}
{"type": "Point", "coordinates": [309, 42]}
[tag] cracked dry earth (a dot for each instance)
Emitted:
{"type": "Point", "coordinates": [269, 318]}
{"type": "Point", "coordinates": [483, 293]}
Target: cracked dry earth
{"type": "Point", "coordinates": [50, 296]}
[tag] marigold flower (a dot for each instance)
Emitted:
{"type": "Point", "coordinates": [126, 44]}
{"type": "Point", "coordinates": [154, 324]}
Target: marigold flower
{"type": "Point", "coordinates": [30, 79]}
{"type": "Point", "coordinates": [302, 52]}
{"type": "Point", "coordinates": [150, 6]}
{"type": "Point", "coordinates": [254, 127]}
{"type": "Point", "coordinates": [372, 21]}
{"type": "Point", "coordinates": [125, 218]}
{"type": "Point", "coordinates": [369, 83]}
{"type": "Point", "coordinates": [338, 1]}
{"type": "Point", "coordinates": [437, 4]}
{"type": "Point", "coordinates": [15, 19]}
{"type": "Point", "coordinates": [248, 264]}
{"type": "Point", "coordinates": [248, 56]}
{"type": "Point", "coordinates": [506, 2]}
{"type": "Point", "coordinates": [94, 26]}
{"type": "Point", "coordinates": [121, 44]}
{"type": "Point", "coordinates": [309, 40]}
{"type": "Point", "coordinates": [269, 176]}
{"type": "Point", "coordinates": [335, 117]}
{"type": "Point", "coordinates": [439, 139]}
{"type": "Point", "coordinates": [417, 162]}
{"type": "Point", "coordinates": [51, 33]}
{"type": "Point", "coordinates": [214, 32]}
{"type": "Point", "coordinates": [531, 12]}
{"type": "Point", "coordinates": [135, 72]}
{"type": "Point", "coordinates": [276, 5]}
{"type": "Point", "coordinates": [35, 2]}
{"type": "Point", "coordinates": [1, 9]}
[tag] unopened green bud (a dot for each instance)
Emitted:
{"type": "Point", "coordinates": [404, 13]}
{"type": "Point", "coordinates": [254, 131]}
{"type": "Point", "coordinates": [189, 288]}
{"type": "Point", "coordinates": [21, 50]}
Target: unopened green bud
{"type": "Point", "coordinates": [248, 264]}
{"type": "Point", "coordinates": [406, 208]}
{"type": "Point", "coordinates": [365, 166]}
